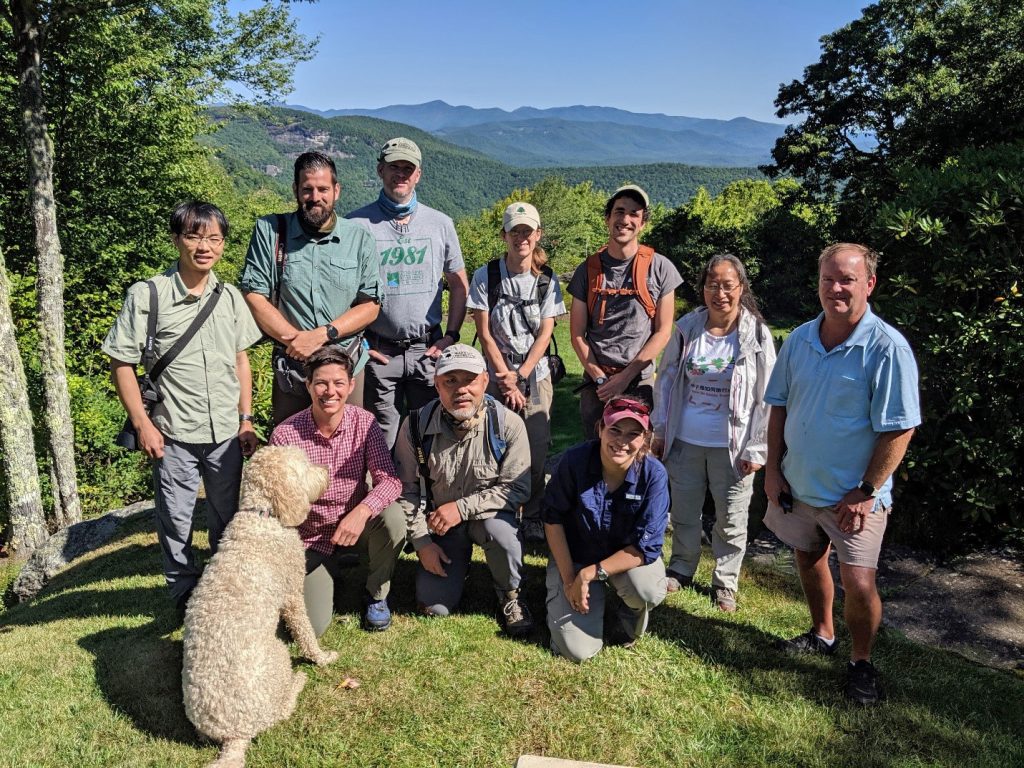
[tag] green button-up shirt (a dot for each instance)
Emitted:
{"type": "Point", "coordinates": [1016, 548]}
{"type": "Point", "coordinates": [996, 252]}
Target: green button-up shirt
{"type": "Point", "coordinates": [323, 276]}
{"type": "Point", "coordinates": [200, 387]}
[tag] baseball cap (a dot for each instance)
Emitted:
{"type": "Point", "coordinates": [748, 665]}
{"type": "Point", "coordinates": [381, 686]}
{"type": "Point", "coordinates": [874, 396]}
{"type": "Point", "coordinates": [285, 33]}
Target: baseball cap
{"type": "Point", "coordinates": [400, 149]}
{"type": "Point", "coordinates": [619, 408]}
{"type": "Point", "coordinates": [521, 213]}
{"type": "Point", "coordinates": [460, 357]}
{"type": "Point", "coordinates": [636, 192]}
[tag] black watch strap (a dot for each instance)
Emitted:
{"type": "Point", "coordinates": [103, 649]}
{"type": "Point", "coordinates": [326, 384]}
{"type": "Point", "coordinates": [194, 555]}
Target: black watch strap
{"type": "Point", "coordinates": [867, 489]}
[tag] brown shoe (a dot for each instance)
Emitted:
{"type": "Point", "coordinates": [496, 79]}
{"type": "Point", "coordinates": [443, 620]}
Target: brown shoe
{"type": "Point", "coordinates": [725, 599]}
{"type": "Point", "coordinates": [674, 582]}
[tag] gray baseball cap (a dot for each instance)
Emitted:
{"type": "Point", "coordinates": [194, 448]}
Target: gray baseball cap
{"type": "Point", "coordinates": [460, 357]}
{"type": "Point", "coordinates": [635, 190]}
{"type": "Point", "coordinates": [400, 149]}
{"type": "Point", "coordinates": [521, 213]}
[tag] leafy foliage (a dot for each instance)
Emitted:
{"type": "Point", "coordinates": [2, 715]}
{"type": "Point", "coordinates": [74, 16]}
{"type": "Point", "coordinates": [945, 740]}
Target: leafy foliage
{"type": "Point", "coordinates": [953, 260]}
{"type": "Point", "coordinates": [776, 229]}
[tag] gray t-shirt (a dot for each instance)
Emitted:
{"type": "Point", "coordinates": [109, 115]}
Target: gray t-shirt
{"type": "Point", "coordinates": [626, 327]}
{"type": "Point", "coordinates": [513, 323]}
{"type": "Point", "coordinates": [412, 258]}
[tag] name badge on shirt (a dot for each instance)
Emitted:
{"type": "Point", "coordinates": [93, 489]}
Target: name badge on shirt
{"type": "Point", "coordinates": [634, 497]}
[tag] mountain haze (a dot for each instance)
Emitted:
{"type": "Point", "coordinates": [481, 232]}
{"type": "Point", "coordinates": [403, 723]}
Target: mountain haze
{"type": "Point", "coordinates": [585, 134]}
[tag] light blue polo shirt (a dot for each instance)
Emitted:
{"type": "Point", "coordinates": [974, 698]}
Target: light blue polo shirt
{"type": "Point", "coordinates": [838, 401]}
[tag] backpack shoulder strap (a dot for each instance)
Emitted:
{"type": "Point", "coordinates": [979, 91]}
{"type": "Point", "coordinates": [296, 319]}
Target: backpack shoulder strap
{"type": "Point", "coordinates": [493, 283]}
{"type": "Point", "coordinates": [280, 256]}
{"type": "Point", "coordinates": [419, 420]}
{"type": "Point", "coordinates": [544, 283]}
{"type": "Point", "coordinates": [595, 282]}
{"type": "Point", "coordinates": [149, 351]}
{"type": "Point", "coordinates": [641, 268]}
{"type": "Point", "coordinates": [495, 429]}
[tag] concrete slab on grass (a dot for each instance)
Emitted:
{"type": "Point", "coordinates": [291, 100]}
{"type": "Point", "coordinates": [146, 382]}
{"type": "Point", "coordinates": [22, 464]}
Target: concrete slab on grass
{"type": "Point", "coordinates": [535, 761]}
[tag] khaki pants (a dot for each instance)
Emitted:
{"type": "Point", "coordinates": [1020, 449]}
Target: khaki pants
{"type": "Point", "coordinates": [538, 428]}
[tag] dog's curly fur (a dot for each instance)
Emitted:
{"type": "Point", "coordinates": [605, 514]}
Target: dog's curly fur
{"type": "Point", "coordinates": [237, 677]}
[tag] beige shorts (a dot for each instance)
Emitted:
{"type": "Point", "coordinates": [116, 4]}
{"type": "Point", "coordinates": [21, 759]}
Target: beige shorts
{"type": "Point", "coordinates": [810, 529]}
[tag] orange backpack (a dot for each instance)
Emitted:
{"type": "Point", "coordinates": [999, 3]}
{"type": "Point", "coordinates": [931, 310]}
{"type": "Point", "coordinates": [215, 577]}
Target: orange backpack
{"type": "Point", "coordinates": [595, 283]}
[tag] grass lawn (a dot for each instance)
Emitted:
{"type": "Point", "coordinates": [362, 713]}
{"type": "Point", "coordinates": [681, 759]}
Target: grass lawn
{"type": "Point", "coordinates": [90, 676]}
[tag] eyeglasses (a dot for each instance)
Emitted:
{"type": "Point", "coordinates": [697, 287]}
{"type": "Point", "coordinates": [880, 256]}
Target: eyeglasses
{"type": "Point", "coordinates": [621, 404]}
{"type": "Point", "coordinates": [727, 288]}
{"type": "Point", "coordinates": [194, 240]}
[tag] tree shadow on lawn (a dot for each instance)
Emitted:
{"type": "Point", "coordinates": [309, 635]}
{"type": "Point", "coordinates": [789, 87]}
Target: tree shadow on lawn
{"type": "Point", "coordinates": [969, 711]}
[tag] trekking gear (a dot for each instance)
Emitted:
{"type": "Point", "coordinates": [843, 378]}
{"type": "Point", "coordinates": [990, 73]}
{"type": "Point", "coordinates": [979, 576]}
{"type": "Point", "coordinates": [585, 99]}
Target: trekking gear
{"type": "Point", "coordinates": [862, 683]}
{"type": "Point", "coordinates": [725, 599]}
{"type": "Point", "coordinates": [596, 282]}
{"type": "Point", "coordinates": [555, 363]}
{"type": "Point", "coordinates": [514, 614]}
{"type": "Point", "coordinates": [675, 581]}
{"type": "Point", "coordinates": [377, 616]}
{"type": "Point", "coordinates": [280, 256]}
{"type": "Point", "coordinates": [128, 437]}
{"type": "Point", "coordinates": [419, 420]}
{"type": "Point", "coordinates": [807, 643]}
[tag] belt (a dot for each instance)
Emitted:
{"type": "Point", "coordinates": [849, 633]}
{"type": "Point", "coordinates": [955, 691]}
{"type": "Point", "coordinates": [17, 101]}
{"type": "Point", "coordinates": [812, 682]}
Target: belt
{"type": "Point", "coordinates": [516, 358]}
{"type": "Point", "coordinates": [376, 340]}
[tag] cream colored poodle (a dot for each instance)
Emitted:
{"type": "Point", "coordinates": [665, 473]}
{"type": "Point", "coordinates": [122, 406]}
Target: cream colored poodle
{"type": "Point", "coordinates": [237, 677]}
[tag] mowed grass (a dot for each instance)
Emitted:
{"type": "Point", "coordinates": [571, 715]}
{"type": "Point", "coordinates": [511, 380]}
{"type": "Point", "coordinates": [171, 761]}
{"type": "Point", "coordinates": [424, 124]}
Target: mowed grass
{"type": "Point", "coordinates": [90, 675]}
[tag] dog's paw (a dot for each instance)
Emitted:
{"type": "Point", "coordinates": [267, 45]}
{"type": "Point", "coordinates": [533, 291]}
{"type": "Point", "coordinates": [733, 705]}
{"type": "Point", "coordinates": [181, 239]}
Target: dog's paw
{"type": "Point", "coordinates": [326, 657]}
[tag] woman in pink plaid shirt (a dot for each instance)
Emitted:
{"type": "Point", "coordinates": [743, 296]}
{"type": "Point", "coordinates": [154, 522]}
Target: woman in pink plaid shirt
{"type": "Point", "coordinates": [349, 442]}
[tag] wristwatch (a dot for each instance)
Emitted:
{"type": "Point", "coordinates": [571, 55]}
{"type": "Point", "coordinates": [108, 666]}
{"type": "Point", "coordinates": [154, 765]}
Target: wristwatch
{"type": "Point", "coordinates": [867, 489]}
{"type": "Point", "coordinates": [332, 332]}
{"type": "Point", "coordinates": [244, 417]}
{"type": "Point", "coordinates": [600, 380]}
{"type": "Point", "coordinates": [602, 574]}
{"type": "Point", "coordinates": [453, 335]}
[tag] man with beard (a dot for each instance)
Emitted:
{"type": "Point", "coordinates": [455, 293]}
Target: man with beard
{"type": "Point", "coordinates": [310, 279]}
{"type": "Point", "coordinates": [416, 246]}
{"type": "Point", "coordinates": [474, 458]}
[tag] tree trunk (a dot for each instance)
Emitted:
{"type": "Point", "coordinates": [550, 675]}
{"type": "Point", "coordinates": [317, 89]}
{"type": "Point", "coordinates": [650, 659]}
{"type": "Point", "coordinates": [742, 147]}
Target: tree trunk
{"type": "Point", "coordinates": [28, 32]}
{"type": "Point", "coordinates": [17, 450]}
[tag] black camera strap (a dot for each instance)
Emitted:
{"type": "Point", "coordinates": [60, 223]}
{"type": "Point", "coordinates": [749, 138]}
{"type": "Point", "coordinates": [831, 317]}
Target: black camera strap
{"type": "Point", "coordinates": [186, 337]}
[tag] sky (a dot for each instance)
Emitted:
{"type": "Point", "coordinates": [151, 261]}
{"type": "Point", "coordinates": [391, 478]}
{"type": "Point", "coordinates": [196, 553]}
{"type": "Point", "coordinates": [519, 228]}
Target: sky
{"type": "Point", "coordinates": [699, 58]}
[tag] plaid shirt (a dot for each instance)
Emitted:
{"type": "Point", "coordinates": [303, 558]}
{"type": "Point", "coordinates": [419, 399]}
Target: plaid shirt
{"type": "Point", "coordinates": [356, 447]}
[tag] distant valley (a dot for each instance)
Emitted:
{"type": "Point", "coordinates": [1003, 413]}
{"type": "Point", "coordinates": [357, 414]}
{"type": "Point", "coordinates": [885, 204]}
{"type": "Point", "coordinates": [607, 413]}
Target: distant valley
{"type": "Point", "coordinates": [258, 149]}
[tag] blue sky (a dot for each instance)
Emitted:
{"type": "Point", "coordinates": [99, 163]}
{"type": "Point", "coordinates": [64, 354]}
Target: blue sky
{"type": "Point", "coordinates": [722, 58]}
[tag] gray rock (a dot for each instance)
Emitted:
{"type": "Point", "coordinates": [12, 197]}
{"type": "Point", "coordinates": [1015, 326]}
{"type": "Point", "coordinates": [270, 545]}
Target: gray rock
{"type": "Point", "coordinates": [65, 545]}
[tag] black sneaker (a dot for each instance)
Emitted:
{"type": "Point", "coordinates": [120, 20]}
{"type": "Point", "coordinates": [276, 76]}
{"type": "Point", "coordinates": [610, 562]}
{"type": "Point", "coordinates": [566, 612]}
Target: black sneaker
{"type": "Point", "coordinates": [515, 615]}
{"type": "Point", "coordinates": [807, 643]}
{"type": "Point", "coordinates": [862, 683]}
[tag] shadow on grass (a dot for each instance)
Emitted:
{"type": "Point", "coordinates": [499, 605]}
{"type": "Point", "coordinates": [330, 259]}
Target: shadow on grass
{"type": "Point", "coordinates": [972, 712]}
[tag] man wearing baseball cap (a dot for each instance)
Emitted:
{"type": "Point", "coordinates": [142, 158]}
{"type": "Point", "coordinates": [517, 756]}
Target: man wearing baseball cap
{"type": "Point", "coordinates": [474, 458]}
{"type": "Point", "coordinates": [624, 306]}
{"type": "Point", "coordinates": [418, 251]}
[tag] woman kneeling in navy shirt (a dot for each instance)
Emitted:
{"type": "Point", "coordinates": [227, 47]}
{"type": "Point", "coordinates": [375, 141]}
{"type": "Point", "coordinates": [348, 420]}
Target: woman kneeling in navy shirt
{"type": "Point", "coordinates": [605, 512]}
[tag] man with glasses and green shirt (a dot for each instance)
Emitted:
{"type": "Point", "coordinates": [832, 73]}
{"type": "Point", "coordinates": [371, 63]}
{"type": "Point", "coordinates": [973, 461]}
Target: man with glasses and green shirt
{"type": "Point", "coordinates": [201, 426]}
{"type": "Point", "coordinates": [310, 279]}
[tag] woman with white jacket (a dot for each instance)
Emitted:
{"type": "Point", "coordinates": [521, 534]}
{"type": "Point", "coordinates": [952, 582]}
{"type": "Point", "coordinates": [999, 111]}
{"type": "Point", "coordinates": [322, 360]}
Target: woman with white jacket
{"type": "Point", "coordinates": [710, 422]}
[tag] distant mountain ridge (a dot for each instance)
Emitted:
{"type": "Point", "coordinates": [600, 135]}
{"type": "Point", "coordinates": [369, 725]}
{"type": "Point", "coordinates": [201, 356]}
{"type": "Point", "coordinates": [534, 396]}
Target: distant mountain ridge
{"type": "Point", "coordinates": [258, 151]}
{"type": "Point", "coordinates": [558, 136]}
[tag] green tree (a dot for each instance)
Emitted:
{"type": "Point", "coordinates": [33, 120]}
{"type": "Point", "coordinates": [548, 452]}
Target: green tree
{"type": "Point", "coordinates": [908, 81]}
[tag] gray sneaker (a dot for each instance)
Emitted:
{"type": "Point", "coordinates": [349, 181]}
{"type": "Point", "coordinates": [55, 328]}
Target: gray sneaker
{"type": "Point", "coordinates": [515, 616]}
{"type": "Point", "coordinates": [725, 599]}
{"type": "Point", "coordinates": [674, 582]}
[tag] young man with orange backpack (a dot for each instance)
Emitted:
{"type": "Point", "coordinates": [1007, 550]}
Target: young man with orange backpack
{"type": "Point", "coordinates": [623, 308]}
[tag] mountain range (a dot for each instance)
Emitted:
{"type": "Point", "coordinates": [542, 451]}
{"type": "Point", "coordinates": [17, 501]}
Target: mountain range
{"type": "Point", "coordinates": [584, 135]}
{"type": "Point", "coordinates": [258, 148]}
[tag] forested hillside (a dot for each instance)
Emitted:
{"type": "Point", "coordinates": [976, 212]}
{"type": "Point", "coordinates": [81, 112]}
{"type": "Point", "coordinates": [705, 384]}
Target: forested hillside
{"type": "Point", "coordinates": [258, 150]}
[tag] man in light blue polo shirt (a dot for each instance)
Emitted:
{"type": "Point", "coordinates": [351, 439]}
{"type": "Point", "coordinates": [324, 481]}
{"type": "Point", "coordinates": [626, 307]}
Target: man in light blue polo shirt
{"type": "Point", "coordinates": [844, 400]}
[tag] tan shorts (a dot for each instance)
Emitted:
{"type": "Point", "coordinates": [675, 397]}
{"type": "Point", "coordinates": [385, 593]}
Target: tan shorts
{"type": "Point", "coordinates": [810, 529]}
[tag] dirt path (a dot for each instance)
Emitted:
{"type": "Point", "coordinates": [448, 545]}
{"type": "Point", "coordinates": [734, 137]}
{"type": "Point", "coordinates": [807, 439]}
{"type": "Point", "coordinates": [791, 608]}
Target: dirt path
{"type": "Point", "coordinates": [972, 605]}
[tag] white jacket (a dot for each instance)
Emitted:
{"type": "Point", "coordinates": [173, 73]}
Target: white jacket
{"type": "Point", "coordinates": [748, 412]}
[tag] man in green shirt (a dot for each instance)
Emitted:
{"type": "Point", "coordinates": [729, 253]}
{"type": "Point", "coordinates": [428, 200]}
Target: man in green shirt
{"type": "Point", "coordinates": [202, 425]}
{"type": "Point", "coordinates": [326, 291]}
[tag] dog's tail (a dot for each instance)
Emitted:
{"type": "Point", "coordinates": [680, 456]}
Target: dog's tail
{"type": "Point", "coordinates": [232, 754]}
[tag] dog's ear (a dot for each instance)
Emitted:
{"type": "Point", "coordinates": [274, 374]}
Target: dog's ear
{"type": "Point", "coordinates": [319, 478]}
{"type": "Point", "coordinates": [279, 477]}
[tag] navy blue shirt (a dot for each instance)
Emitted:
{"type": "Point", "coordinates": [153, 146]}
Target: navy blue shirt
{"type": "Point", "coordinates": [597, 523]}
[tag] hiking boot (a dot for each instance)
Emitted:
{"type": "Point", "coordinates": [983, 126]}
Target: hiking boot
{"type": "Point", "coordinates": [674, 582]}
{"type": "Point", "coordinates": [532, 530]}
{"type": "Point", "coordinates": [725, 599]}
{"type": "Point", "coordinates": [377, 616]}
{"type": "Point", "coordinates": [515, 616]}
{"type": "Point", "coordinates": [862, 683]}
{"type": "Point", "coordinates": [807, 643]}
